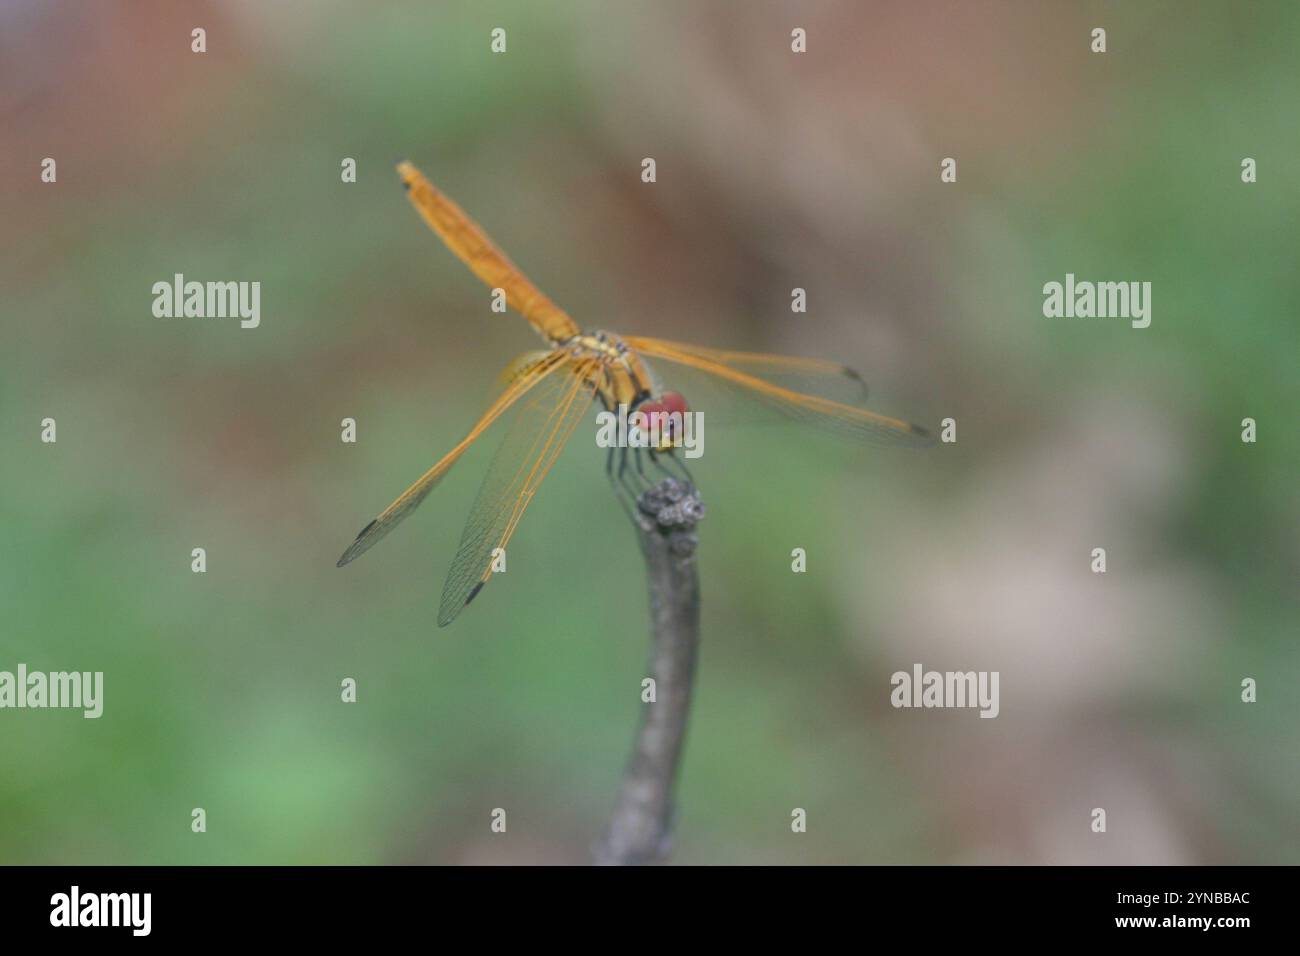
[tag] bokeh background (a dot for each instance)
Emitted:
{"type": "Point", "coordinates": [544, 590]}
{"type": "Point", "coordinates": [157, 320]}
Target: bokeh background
{"type": "Point", "coordinates": [775, 170]}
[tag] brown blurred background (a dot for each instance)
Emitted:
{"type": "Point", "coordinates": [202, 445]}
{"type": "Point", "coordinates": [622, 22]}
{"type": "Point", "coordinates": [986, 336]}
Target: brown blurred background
{"type": "Point", "coordinates": [775, 170]}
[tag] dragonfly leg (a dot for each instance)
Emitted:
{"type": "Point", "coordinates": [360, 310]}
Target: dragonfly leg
{"type": "Point", "coordinates": [624, 478]}
{"type": "Point", "coordinates": [640, 468]}
{"type": "Point", "coordinates": [655, 460]}
{"type": "Point", "coordinates": [682, 471]}
{"type": "Point", "coordinates": [625, 498]}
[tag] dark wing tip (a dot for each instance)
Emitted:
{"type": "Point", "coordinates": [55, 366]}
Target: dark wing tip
{"type": "Point", "coordinates": [852, 373]}
{"type": "Point", "coordinates": [447, 615]}
{"type": "Point", "coordinates": [353, 550]}
{"type": "Point", "coordinates": [922, 433]}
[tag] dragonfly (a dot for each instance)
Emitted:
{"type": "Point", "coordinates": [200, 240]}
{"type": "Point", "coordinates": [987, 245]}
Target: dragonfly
{"type": "Point", "coordinates": [546, 393]}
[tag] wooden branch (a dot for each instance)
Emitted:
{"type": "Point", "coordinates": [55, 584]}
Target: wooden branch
{"type": "Point", "coordinates": [640, 829]}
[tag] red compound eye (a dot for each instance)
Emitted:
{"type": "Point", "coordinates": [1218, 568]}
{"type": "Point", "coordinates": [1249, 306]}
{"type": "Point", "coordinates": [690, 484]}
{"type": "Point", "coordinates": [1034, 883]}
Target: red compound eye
{"type": "Point", "coordinates": [668, 404]}
{"type": "Point", "coordinates": [673, 402]}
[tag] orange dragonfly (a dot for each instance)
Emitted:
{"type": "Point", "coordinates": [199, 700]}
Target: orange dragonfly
{"type": "Point", "coordinates": [548, 392]}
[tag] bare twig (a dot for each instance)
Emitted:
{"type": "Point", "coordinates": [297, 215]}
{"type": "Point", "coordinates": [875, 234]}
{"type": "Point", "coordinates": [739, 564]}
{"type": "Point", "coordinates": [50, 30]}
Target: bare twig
{"type": "Point", "coordinates": [640, 830]}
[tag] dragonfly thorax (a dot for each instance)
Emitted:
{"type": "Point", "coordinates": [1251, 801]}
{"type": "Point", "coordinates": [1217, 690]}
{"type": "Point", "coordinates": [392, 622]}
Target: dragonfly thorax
{"type": "Point", "coordinates": [604, 345]}
{"type": "Point", "coordinates": [623, 378]}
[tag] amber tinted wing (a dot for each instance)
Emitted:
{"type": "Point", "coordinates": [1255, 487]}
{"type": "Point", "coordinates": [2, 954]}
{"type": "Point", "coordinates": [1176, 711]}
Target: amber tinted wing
{"type": "Point", "coordinates": [539, 426]}
{"type": "Point", "coordinates": [521, 384]}
{"type": "Point", "coordinates": [809, 376]}
{"type": "Point", "coordinates": [467, 239]}
{"type": "Point", "coordinates": [846, 420]}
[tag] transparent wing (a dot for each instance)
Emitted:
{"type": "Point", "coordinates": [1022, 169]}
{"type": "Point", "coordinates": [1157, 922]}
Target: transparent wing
{"type": "Point", "coordinates": [845, 420]}
{"type": "Point", "coordinates": [521, 383]}
{"type": "Point", "coordinates": [520, 365]}
{"type": "Point", "coordinates": [808, 376]}
{"type": "Point", "coordinates": [537, 431]}
{"type": "Point", "coordinates": [471, 244]}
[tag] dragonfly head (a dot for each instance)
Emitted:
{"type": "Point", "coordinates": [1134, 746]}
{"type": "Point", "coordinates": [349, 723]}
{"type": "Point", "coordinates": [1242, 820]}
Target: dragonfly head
{"type": "Point", "coordinates": [663, 408]}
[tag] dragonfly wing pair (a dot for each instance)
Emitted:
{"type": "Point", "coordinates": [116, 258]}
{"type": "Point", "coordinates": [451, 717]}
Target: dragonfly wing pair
{"type": "Point", "coordinates": [543, 404]}
{"type": "Point", "coordinates": [809, 391]}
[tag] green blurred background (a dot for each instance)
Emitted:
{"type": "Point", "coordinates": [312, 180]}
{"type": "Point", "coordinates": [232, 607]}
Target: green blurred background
{"type": "Point", "coordinates": [775, 170]}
